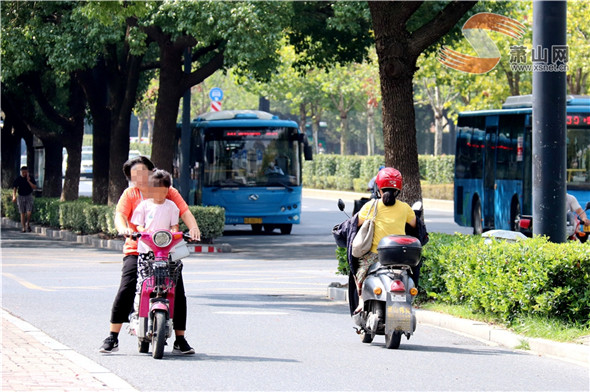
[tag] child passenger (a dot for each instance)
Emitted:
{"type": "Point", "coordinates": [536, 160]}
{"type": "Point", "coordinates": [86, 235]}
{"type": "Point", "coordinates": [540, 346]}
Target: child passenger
{"type": "Point", "coordinates": [157, 212]}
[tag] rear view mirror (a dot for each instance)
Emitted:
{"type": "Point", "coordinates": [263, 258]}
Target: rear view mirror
{"type": "Point", "coordinates": [588, 205]}
{"type": "Point", "coordinates": [341, 205]}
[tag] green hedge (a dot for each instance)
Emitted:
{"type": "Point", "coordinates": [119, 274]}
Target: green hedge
{"type": "Point", "coordinates": [504, 279]}
{"type": "Point", "coordinates": [211, 221]}
{"type": "Point", "coordinates": [8, 208]}
{"type": "Point", "coordinates": [82, 217]}
{"type": "Point", "coordinates": [437, 169]}
{"type": "Point", "coordinates": [352, 173]}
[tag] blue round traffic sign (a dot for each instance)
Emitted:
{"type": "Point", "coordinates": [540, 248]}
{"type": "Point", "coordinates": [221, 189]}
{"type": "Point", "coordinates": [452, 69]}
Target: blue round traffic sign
{"type": "Point", "coordinates": [216, 94]}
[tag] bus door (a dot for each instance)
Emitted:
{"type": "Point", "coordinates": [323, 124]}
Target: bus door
{"type": "Point", "coordinates": [489, 172]}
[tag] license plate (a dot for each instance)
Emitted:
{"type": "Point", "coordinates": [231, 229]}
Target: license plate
{"type": "Point", "coordinates": [398, 298]}
{"type": "Point", "coordinates": [586, 228]}
{"type": "Point", "coordinates": [252, 220]}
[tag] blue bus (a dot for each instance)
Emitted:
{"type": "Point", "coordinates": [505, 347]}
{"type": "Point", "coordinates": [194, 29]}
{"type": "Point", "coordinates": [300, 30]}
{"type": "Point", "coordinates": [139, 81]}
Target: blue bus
{"type": "Point", "coordinates": [248, 162]}
{"type": "Point", "coordinates": [493, 167]}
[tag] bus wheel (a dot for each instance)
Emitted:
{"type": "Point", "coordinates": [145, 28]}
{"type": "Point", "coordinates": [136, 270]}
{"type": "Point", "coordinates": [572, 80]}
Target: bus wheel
{"type": "Point", "coordinates": [257, 229]}
{"type": "Point", "coordinates": [515, 216]}
{"type": "Point", "coordinates": [286, 229]}
{"type": "Point", "coordinates": [476, 217]}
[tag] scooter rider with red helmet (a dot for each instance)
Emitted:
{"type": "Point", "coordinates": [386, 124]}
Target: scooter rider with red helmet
{"type": "Point", "coordinates": [391, 217]}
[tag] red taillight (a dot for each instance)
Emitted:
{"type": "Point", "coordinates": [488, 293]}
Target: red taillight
{"type": "Point", "coordinates": [403, 240]}
{"type": "Point", "coordinates": [397, 285]}
{"type": "Point", "coordinates": [525, 223]}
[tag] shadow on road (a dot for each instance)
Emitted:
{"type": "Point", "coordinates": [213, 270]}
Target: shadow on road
{"type": "Point", "coordinates": [269, 303]}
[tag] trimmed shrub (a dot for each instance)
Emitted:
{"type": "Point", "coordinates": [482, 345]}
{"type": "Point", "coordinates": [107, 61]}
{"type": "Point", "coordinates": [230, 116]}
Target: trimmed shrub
{"type": "Point", "coordinates": [211, 221]}
{"type": "Point", "coordinates": [504, 279]}
{"type": "Point", "coordinates": [355, 172]}
{"type": "Point", "coordinates": [46, 211]}
{"type": "Point", "coordinates": [9, 209]}
{"type": "Point", "coordinates": [507, 279]}
{"type": "Point", "coordinates": [82, 217]}
{"type": "Point", "coordinates": [72, 216]}
{"type": "Point", "coordinates": [100, 218]}
{"type": "Point", "coordinates": [437, 169]}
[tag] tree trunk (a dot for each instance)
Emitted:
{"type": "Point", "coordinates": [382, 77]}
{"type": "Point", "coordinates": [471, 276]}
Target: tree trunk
{"type": "Point", "coordinates": [10, 154]}
{"type": "Point", "coordinates": [101, 140]}
{"type": "Point", "coordinates": [576, 81]}
{"type": "Point", "coordinates": [303, 117]}
{"type": "Point", "coordinates": [72, 177]}
{"type": "Point", "coordinates": [316, 114]}
{"type": "Point", "coordinates": [173, 84]}
{"type": "Point", "coordinates": [150, 127]}
{"type": "Point", "coordinates": [13, 130]}
{"type": "Point", "coordinates": [166, 113]}
{"type": "Point", "coordinates": [437, 108]}
{"type": "Point", "coordinates": [73, 141]}
{"type": "Point", "coordinates": [401, 150]}
{"type": "Point", "coordinates": [343, 133]}
{"type": "Point", "coordinates": [122, 102]}
{"type": "Point", "coordinates": [370, 127]}
{"type": "Point", "coordinates": [140, 122]}
{"type": "Point", "coordinates": [95, 84]}
{"type": "Point", "coordinates": [396, 72]}
{"type": "Point", "coordinates": [398, 52]}
{"type": "Point", "coordinates": [53, 157]}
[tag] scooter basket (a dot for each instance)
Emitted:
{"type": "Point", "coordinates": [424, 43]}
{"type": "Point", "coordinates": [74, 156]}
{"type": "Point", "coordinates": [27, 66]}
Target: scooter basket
{"type": "Point", "coordinates": [399, 250]}
{"type": "Point", "coordinates": [146, 269]}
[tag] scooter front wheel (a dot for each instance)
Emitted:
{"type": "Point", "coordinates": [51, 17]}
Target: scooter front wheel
{"type": "Point", "coordinates": [159, 336]}
{"type": "Point", "coordinates": [393, 339]}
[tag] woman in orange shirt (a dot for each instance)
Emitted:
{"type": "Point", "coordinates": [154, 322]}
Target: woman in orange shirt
{"type": "Point", "coordinates": [137, 171]}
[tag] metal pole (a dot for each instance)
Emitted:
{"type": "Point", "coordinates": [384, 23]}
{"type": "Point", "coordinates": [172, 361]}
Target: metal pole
{"type": "Point", "coordinates": [549, 117]}
{"type": "Point", "coordinates": [185, 135]}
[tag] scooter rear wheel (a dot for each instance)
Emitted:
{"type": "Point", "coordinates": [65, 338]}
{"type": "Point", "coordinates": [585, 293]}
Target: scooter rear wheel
{"type": "Point", "coordinates": [159, 337]}
{"type": "Point", "coordinates": [393, 340]}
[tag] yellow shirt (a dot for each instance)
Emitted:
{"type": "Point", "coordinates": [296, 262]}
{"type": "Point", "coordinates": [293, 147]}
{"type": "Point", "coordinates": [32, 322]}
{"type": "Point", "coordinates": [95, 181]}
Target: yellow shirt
{"type": "Point", "coordinates": [389, 219]}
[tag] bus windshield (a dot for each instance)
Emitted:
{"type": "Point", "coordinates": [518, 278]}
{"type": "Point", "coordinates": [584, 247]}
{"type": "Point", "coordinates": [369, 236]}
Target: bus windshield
{"type": "Point", "coordinates": [251, 157]}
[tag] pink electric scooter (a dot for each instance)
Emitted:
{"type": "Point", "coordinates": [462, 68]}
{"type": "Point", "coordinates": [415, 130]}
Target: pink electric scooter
{"type": "Point", "coordinates": [158, 272]}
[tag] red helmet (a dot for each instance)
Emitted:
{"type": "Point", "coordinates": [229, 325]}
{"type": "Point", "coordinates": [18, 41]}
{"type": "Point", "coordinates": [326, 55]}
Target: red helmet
{"type": "Point", "coordinates": [389, 178]}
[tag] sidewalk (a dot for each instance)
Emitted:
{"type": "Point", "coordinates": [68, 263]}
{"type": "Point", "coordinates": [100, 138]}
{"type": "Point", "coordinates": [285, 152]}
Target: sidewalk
{"type": "Point", "coordinates": [32, 361]}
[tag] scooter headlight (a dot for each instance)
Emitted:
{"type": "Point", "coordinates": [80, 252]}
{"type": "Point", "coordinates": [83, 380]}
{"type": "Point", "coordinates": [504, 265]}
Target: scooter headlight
{"type": "Point", "coordinates": [162, 238]}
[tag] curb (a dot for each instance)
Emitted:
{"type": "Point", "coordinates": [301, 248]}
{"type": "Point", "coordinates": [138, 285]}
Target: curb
{"type": "Point", "coordinates": [107, 378]}
{"type": "Point", "coordinates": [578, 354]}
{"type": "Point", "coordinates": [97, 242]}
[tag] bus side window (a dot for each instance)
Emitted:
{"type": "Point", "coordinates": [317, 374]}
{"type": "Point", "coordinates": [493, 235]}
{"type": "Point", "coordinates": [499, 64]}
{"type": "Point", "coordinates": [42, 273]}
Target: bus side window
{"type": "Point", "coordinates": [478, 144]}
{"type": "Point", "coordinates": [463, 153]}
